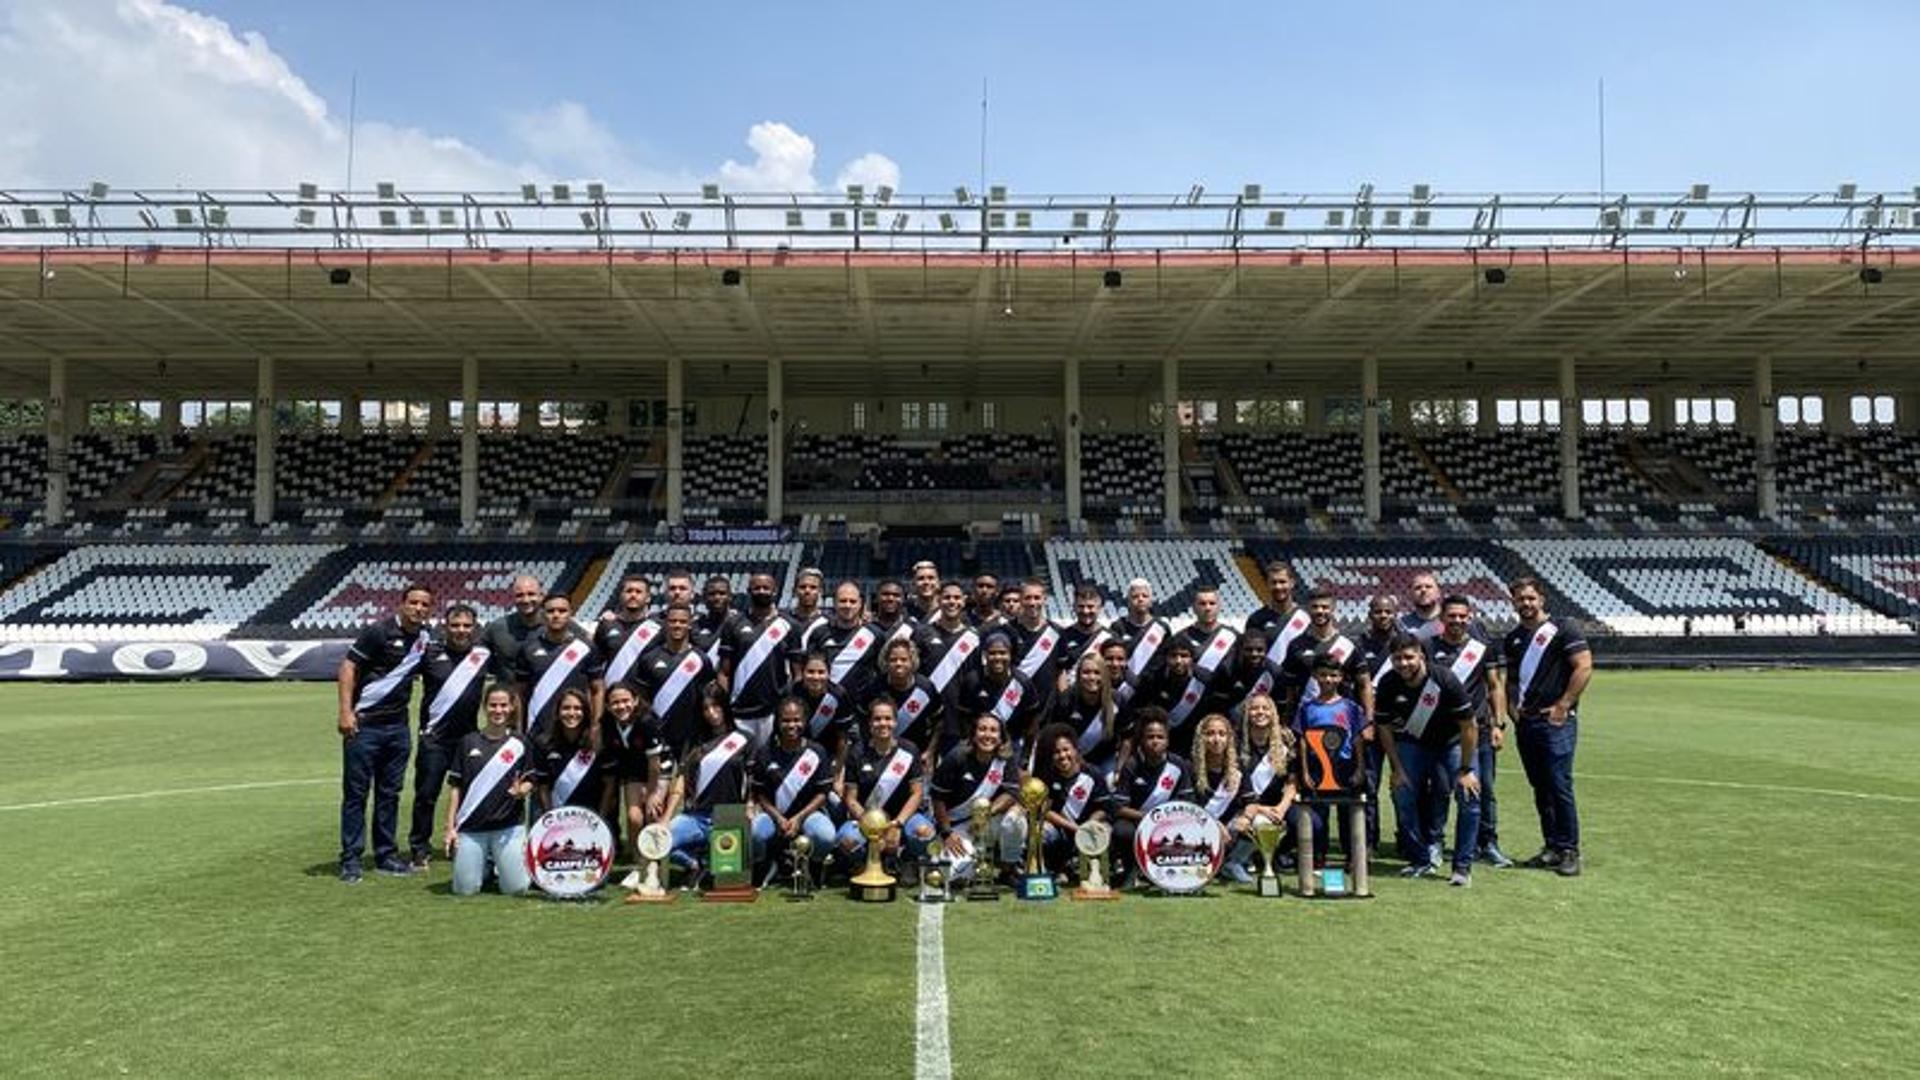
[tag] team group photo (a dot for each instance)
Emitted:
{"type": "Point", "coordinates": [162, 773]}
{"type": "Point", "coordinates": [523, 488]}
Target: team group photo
{"type": "Point", "coordinates": [1067, 541]}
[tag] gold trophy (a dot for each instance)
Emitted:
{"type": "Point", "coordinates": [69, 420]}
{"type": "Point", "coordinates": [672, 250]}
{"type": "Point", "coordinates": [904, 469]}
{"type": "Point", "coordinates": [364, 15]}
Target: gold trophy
{"type": "Point", "coordinates": [982, 885]}
{"type": "Point", "coordinates": [653, 844]}
{"type": "Point", "coordinates": [800, 885]}
{"type": "Point", "coordinates": [1035, 883]}
{"type": "Point", "coordinates": [874, 885]}
{"type": "Point", "coordinates": [1092, 841]}
{"type": "Point", "coordinates": [1266, 837]}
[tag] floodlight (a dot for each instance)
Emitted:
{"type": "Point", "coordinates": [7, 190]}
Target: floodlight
{"type": "Point", "coordinates": [97, 190]}
{"type": "Point", "coordinates": [1698, 192]}
{"type": "Point", "coordinates": [217, 216]}
{"type": "Point", "coordinates": [1422, 218]}
{"type": "Point", "coordinates": [147, 219]}
{"type": "Point", "coordinates": [384, 189]}
{"type": "Point", "coordinates": [587, 221]}
{"type": "Point", "coordinates": [796, 220]}
{"type": "Point", "coordinates": [869, 219]}
{"type": "Point", "coordinates": [899, 223]}
{"type": "Point", "coordinates": [1848, 190]}
{"type": "Point", "coordinates": [1250, 193]}
{"type": "Point", "coordinates": [1276, 219]}
{"type": "Point", "coordinates": [302, 217]}
{"type": "Point", "coordinates": [501, 220]}
{"type": "Point", "coordinates": [309, 192]}
{"type": "Point", "coordinates": [997, 193]}
{"type": "Point", "coordinates": [389, 219]}
{"type": "Point", "coordinates": [1644, 217]}
{"type": "Point", "coordinates": [597, 191]}
{"type": "Point", "coordinates": [1676, 219]}
{"type": "Point", "coordinates": [710, 192]}
{"type": "Point", "coordinates": [182, 216]}
{"type": "Point", "coordinates": [1080, 219]}
{"type": "Point", "coordinates": [681, 220]}
{"type": "Point", "coordinates": [856, 192]}
{"type": "Point", "coordinates": [647, 222]}
{"type": "Point", "coordinates": [946, 222]}
{"type": "Point", "coordinates": [883, 194]}
{"type": "Point", "coordinates": [1610, 218]}
{"type": "Point", "coordinates": [1393, 219]}
{"type": "Point", "coordinates": [62, 216]}
{"type": "Point", "coordinates": [1194, 193]}
{"type": "Point", "coordinates": [1023, 219]}
{"type": "Point", "coordinates": [448, 219]}
{"type": "Point", "coordinates": [529, 193]}
{"type": "Point", "coordinates": [1422, 192]}
{"type": "Point", "coordinates": [562, 193]}
{"type": "Point", "coordinates": [836, 219]}
{"type": "Point", "coordinates": [1336, 219]}
{"type": "Point", "coordinates": [962, 196]}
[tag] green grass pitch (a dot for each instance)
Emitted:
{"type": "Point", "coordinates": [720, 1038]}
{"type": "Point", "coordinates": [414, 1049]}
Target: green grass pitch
{"type": "Point", "coordinates": [1749, 909]}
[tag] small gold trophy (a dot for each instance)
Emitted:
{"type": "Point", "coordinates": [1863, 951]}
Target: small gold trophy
{"type": "Point", "coordinates": [1266, 837]}
{"type": "Point", "coordinates": [874, 885]}
{"type": "Point", "coordinates": [1092, 841]}
{"type": "Point", "coordinates": [1035, 883]}
{"type": "Point", "coordinates": [982, 885]}
{"type": "Point", "coordinates": [800, 885]}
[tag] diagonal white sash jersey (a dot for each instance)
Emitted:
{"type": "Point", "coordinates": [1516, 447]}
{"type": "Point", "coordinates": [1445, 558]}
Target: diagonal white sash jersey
{"type": "Point", "coordinates": [1536, 651]}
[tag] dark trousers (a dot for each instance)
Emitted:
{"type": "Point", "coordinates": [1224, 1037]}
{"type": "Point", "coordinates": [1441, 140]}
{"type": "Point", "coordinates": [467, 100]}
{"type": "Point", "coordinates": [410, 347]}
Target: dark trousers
{"type": "Point", "coordinates": [375, 758]}
{"type": "Point", "coordinates": [1489, 807]}
{"type": "Point", "coordinates": [1376, 766]}
{"type": "Point", "coordinates": [1546, 752]}
{"type": "Point", "coordinates": [430, 765]}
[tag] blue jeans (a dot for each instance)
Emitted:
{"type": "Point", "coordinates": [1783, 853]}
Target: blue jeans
{"type": "Point", "coordinates": [375, 758]}
{"type": "Point", "coordinates": [914, 837]}
{"type": "Point", "coordinates": [1489, 806]}
{"type": "Point", "coordinates": [691, 830]}
{"type": "Point", "coordinates": [815, 826]}
{"type": "Point", "coordinates": [1546, 752]}
{"type": "Point", "coordinates": [504, 849]}
{"type": "Point", "coordinates": [1433, 775]}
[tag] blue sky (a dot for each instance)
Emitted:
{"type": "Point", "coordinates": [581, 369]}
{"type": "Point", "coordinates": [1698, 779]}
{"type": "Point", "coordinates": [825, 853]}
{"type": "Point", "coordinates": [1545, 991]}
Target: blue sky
{"type": "Point", "coordinates": [1084, 97]}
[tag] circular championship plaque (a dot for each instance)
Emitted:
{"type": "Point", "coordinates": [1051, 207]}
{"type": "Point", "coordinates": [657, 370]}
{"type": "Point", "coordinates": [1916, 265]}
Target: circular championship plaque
{"type": "Point", "coordinates": [1179, 846]}
{"type": "Point", "coordinates": [570, 851]}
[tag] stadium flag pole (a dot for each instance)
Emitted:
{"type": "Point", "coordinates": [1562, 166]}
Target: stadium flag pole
{"type": "Point", "coordinates": [1603, 138]}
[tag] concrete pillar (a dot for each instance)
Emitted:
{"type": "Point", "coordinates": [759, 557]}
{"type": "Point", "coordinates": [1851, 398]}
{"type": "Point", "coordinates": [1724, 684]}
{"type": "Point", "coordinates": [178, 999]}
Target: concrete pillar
{"type": "Point", "coordinates": [469, 440]}
{"type": "Point", "coordinates": [77, 406]}
{"type": "Point", "coordinates": [169, 416]}
{"type": "Point", "coordinates": [1170, 438]}
{"type": "Point", "coordinates": [1766, 423]}
{"type": "Point", "coordinates": [776, 439]}
{"type": "Point", "coordinates": [1487, 419]}
{"type": "Point", "coordinates": [1370, 434]}
{"type": "Point", "coordinates": [266, 426]}
{"type": "Point", "coordinates": [529, 414]}
{"type": "Point", "coordinates": [619, 416]}
{"type": "Point", "coordinates": [350, 425]}
{"type": "Point", "coordinates": [1402, 414]}
{"type": "Point", "coordinates": [1070, 439]}
{"type": "Point", "coordinates": [58, 460]}
{"type": "Point", "coordinates": [1569, 439]}
{"type": "Point", "coordinates": [1315, 407]}
{"type": "Point", "coordinates": [439, 422]}
{"type": "Point", "coordinates": [1660, 410]}
{"type": "Point", "coordinates": [676, 438]}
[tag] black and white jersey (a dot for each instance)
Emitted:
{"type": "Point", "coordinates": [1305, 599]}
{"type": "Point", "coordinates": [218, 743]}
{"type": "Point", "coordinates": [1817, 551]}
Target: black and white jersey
{"type": "Point", "coordinates": [505, 636]}
{"type": "Point", "coordinates": [938, 644]}
{"type": "Point", "coordinates": [1469, 661]}
{"type": "Point", "coordinates": [1429, 710]}
{"type": "Point", "coordinates": [789, 779]}
{"type": "Point", "coordinates": [851, 652]}
{"type": "Point", "coordinates": [832, 715]}
{"type": "Point", "coordinates": [961, 777]}
{"type": "Point", "coordinates": [547, 667]}
{"type": "Point", "coordinates": [897, 768]}
{"type": "Point", "coordinates": [1080, 796]}
{"type": "Point", "coordinates": [1016, 701]}
{"type": "Point", "coordinates": [1036, 653]}
{"type": "Point", "coordinates": [1146, 642]}
{"type": "Point", "coordinates": [1420, 626]}
{"type": "Point", "coordinates": [710, 630]}
{"type": "Point", "coordinates": [1146, 784]}
{"type": "Point", "coordinates": [672, 683]}
{"type": "Point", "coordinates": [451, 687]}
{"type": "Point", "coordinates": [1218, 799]}
{"type": "Point", "coordinates": [756, 653]}
{"type": "Point", "coordinates": [1075, 642]}
{"type": "Point", "coordinates": [629, 747]}
{"type": "Point", "coordinates": [1304, 654]}
{"type": "Point", "coordinates": [386, 659]}
{"type": "Point", "coordinates": [1540, 665]}
{"type": "Point", "coordinates": [1261, 782]}
{"type": "Point", "coordinates": [1095, 733]}
{"type": "Point", "coordinates": [1375, 660]}
{"type": "Point", "coordinates": [920, 712]}
{"type": "Point", "coordinates": [621, 642]}
{"type": "Point", "coordinates": [1213, 649]}
{"type": "Point", "coordinates": [715, 772]}
{"type": "Point", "coordinates": [573, 776]}
{"type": "Point", "coordinates": [474, 763]}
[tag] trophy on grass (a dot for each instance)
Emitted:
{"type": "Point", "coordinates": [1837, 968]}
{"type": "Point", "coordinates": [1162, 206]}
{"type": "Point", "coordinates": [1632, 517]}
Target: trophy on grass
{"type": "Point", "coordinates": [800, 854]}
{"type": "Point", "coordinates": [730, 856]}
{"type": "Point", "coordinates": [982, 885]}
{"type": "Point", "coordinates": [1092, 841]}
{"type": "Point", "coordinates": [653, 844]}
{"type": "Point", "coordinates": [936, 879]}
{"type": "Point", "coordinates": [873, 885]}
{"type": "Point", "coordinates": [1035, 882]}
{"type": "Point", "coordinates": [1266, 837]}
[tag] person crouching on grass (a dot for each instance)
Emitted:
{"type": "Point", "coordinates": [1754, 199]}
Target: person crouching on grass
{"type": "Point", "coordinates": [486, 820]}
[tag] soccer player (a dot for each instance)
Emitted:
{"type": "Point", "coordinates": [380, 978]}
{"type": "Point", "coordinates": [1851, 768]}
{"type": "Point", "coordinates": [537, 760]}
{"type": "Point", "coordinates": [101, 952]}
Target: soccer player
{"type": "Point", "coordinates": [1154, 776]}
{"type": "Point", "coordinates": [1212, 640]}
{"type": "Point", "coordinates": [1427, 731]}
{"type": "Point", "coordinates": [919, 711]}
{"type": "Point", "coordinates": [1176, 691]}
{"type": "Point", "coordinates": [1077, 793]}
{"type": "Point", "coordinates": [950, 643]}
{"type": "Point", "coordinates": [1086, 711]}
{"type": "Point", "coordinates": [1036, 641]}
{"type": "Point", "coordinates": [753, 659]}
{"type": "Point", "coordinates": [486, 818]}
{"type": "Point", "coordinates": [1082, 637]}
{"type": "Point", "coordinates": [886, 772]}
{"type": "Point", "coordinates": [997, 690]}
{"type": "Point", "coordinates": [712, 626]}
{"type": "Point", "coordinates": [628, 630]}
{"type": "Point", "coordinates": [1376, 658]}
{"type": "Point", "coordinates": [678, 584]}
{"type": "Point", "coordinates": [505, 635]}
{"type": "Point", "coordinates": [375, 682]}
{"type": "Point", "coordinates": [1250, 673]}
{"type": "Point", "coordinates": [981, 768]}
{"type": "Point", "coordinates": [1280, 620]}
{"type": "Point", "coordinates": [559, 657]}
{"type": "Point", "coordinates": [673, 676]}
{"type": "Point", "coordinates": [1471, 659]}
{"type": "Point", "coordinates": [830, 709]}
{"type": "Point", "coordinates": [848, 639]}
{"type": "Point", "coordinates": [809, 585]}
{"type": "Point", "coordinates": [631, 738]}
{"type": "Point", "coordinates": [1548, 667]}
{"type": "Point", "coordinates": [1322, 638]}
{"type": "Point", "coordinates": [791, 778]}
{"type": "Point", "coordinates": [1217, 782]}
{"type": "Point", "coordinates": [1329, 718]}
{"type": "Point", "coordinates": [1144, 633]}
{"type": "Point", "coordinates": [985, 608]}
{"type": "Point", "coordinates": [926, 591]}
{"type": "Point", "coordinates": [1267, 787]}
{"type": "Point", "coordinates": [713, 772]}
{"type": "Point", "coordinates": [452, 679]}
{"type": "Point", "coordinates": [569, 769]}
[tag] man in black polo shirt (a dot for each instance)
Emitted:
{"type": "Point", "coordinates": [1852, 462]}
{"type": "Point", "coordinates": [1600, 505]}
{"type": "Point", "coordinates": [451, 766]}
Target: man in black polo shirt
{"type": "Point", "coordinates": [1280, 620]}
{"type": "Point", "coordinates": [1473, 661]}
{"type": "Point", "coordinates": [627, 631]}
{"type": "Point", "coordinates": [1081, 636]}
{"type": "Point", "coordinates": [452, 678]}
{"type": "Point", "coordinates": [713, 625]}
{"type": "Point", "coordinates": [1036, 641]}
{"type": "Point", "coordinates": [504, 635]}
{"type": "Point", "coordinates": [375, 682]}
{"type": "Point", "coordinates": [754, 659]}
{"type": "Point", "coordinates": [1548, 667]}
{"type": "Point", "coordinates": [560, 657]}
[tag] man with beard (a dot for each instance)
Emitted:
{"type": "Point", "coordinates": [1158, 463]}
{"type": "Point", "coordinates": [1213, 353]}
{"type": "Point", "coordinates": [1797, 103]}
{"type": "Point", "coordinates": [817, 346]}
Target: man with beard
{"type": "Point", "coordinates": [1250, 673]}
{"type": "Point", "coordinates": [1322, 639]}
{"type": "Point", "coordinates": [628, 630]}
{"type": "Point", "coordinates": [375, 681]}
{"type": "Point", "coordinates": [1471, 660]}
{"type": "Point", "coordinates": [1422, 617]}
{"type": "Point", "coordinates": [1280, 620]}
{"type": "Point", "coordinates": [1082, 636]}
{"type": "Point", "coordinates": [504, 636]}
{"type": "Point", "coordinates": [1548, 667]}
{"type": "Point", "coordinates": [1177, 691]}
{"type": "Point", "coordinates": [452, 679]}
{"type": "Point", "coordinates": [753, 659]}
{"type": "Point", "coordinates": [559, 657]}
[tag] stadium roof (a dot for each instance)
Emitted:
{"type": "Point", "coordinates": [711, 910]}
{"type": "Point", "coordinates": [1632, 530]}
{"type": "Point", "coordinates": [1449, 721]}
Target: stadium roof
{"type": "Point", "coordinates": [1481, 294]}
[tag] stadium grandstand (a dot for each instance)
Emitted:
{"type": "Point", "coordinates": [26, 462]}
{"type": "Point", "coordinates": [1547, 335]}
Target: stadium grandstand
{"type": "Point", "coordinates": [250, 417]}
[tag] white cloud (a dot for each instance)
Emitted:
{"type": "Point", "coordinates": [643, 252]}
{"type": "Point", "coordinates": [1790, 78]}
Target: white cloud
{"type": "Point", "coordinates": [145, 93]}
{"type": "Point", "coordinates": [870, 170]}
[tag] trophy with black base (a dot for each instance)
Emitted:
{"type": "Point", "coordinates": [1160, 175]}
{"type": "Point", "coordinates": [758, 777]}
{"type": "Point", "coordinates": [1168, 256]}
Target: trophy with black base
{"type": "Point", "coordinates": [1091, 842]}
{"type": "Point", "coordinates": [983, 885]}
{"type": "Point", "coordinates": [936, 880]}
{"type": "Point", "coordinates": [800, 854]}
{"type": "Point", "coordinates": [1333, 782]}
{"type": "Point", "coordinates": [1035, 882]}
{"type": "Point", "coordinates": [1266, 838]}
{"type": "Point", "coordinates": [873, 885]}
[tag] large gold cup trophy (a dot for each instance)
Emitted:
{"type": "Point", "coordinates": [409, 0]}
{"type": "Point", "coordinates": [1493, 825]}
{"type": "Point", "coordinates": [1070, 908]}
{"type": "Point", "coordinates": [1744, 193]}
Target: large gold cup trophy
{"type": "Point", "coordinates": [874, 885]}
{"type": "Point", "coordinates": [1035, 882]}
{"type": "Point", "coordinates": [1266, 837]}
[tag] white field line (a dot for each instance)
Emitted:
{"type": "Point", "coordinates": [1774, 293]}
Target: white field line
{"type": "Point", "coordinates": [1734, 785]}
{"type": "Point", "coordinates": [932, 1053]}
{"type": "Point", "coordinates": [166, 793]}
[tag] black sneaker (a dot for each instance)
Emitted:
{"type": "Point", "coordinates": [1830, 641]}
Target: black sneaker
{"type": "Point", "coordinates": [420, 861]}
{"type": "Point", "coordinates": [350, 873]}
{"type": "Point", "coordinates": [1546, 860]}
{"type": "Point", "coordinates": [395, 866]}
{"type": "Point", "coordinates": [1569, 864]}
